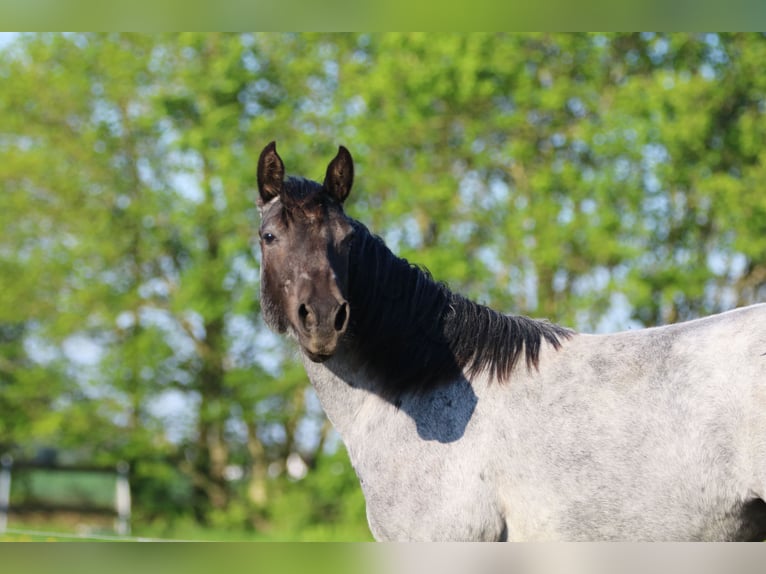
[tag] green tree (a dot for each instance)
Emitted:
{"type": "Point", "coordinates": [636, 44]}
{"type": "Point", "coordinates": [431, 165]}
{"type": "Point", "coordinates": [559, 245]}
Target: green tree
{"type": "Point", "coordinates": [484, 145]}
{"type": "Point", "coordinates": [130, 187]}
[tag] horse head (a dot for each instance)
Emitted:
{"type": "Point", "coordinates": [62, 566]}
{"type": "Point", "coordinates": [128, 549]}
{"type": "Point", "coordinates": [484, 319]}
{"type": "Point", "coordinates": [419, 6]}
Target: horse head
{"type": "Point", "coordinates": [305, 241]}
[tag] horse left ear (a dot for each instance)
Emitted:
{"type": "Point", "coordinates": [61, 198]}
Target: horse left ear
{"type": "Point", "coordinates": [340, 175]}
{"type": "Point", "coordinates": [271, 174]}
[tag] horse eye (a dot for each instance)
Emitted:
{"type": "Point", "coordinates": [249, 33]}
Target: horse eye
{"type": "Point", "coordinates": [268, 238]}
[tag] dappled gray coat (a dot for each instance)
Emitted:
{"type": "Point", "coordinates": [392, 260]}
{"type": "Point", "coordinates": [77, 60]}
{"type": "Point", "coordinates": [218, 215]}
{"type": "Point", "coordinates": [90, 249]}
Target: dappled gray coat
{"type": "Point", "coordinates": [465, 424]}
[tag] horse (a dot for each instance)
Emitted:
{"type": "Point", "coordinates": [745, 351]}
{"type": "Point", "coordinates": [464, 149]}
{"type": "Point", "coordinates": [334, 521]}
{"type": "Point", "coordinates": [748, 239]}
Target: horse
{"type": "Point", "coordinates": [466, 424]}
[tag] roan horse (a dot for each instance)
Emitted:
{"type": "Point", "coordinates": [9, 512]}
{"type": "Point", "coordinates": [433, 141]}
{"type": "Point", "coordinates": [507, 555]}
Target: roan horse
{"type": "Point", "coordinates": [466, 424]}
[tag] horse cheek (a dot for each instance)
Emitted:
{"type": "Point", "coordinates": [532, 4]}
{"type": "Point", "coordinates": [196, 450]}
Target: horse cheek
{"type": "Point", "coordinates": [273, 300]}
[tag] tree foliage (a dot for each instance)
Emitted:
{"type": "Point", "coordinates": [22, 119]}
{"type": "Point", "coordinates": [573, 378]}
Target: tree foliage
{"type": "Point", "coordinates": [602, 181]}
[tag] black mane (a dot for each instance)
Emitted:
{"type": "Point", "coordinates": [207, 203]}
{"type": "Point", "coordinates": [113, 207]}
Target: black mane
{"type": "Point", "coordinates": [416, 334]}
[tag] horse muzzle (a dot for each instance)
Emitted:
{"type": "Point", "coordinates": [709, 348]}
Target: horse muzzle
{"type": "Point", "coordinates": [320, 326]}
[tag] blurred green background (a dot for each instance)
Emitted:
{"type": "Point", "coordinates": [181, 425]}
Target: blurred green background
{"type": "Point", "coordinates": [605, 181]}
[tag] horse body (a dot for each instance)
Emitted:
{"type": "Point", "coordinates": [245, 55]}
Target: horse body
{"type": "Point", "coordinates": [465, 424]}
{"type": "Point", "coordinates": [646, 435]}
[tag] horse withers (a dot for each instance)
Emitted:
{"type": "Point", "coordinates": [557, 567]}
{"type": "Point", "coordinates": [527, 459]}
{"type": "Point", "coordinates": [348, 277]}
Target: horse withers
{"type": "Point", "coordinates": [463, 423]}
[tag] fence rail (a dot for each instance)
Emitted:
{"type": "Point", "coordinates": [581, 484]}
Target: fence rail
{"type": "Point", "coordinates": [122, 502]}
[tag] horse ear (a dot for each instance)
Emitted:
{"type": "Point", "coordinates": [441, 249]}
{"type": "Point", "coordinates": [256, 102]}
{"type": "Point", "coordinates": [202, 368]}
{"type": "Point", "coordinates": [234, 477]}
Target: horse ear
{"type": "Point", "coordinates": [271, 173]}
{"type": "Point", "coordinates": [340, 175]}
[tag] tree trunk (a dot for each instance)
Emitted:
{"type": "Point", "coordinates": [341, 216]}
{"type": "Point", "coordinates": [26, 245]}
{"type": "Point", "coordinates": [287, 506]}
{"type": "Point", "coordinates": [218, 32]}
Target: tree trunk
{"type": "Point", "coordinates": [256, 489]}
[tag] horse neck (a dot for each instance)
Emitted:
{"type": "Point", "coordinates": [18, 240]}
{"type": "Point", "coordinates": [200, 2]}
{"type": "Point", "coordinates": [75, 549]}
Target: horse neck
{"type": "Point", "coordinates": [415, 335]}
{"type": "Point", "coordinates": [410, 337]}
{"type": "Point", "coordinates": [343, 390]}
{"type": "Point", "coordinates": [397, 322]}
{"type": "Point", "coordinates": [379, 364]}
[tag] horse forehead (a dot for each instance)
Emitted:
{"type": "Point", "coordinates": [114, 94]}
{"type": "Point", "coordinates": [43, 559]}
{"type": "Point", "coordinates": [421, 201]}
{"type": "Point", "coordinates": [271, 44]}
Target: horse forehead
{"type": "Point", "coordinates": [310, 221]}
{"type": "Point", "coordinates": [271, 211]}
{"type": "Point", "coordinates": [319, 220]}
{"type": "Point", "coordinates": [296, 215]}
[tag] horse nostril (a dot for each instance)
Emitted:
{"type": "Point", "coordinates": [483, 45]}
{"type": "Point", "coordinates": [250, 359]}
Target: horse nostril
{"type": "Point", "coordinates": [303, 314]}
{"type": "Point", "coordinates": [341, 317]}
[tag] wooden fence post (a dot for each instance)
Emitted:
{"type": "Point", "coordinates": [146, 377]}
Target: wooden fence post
{"type": "Point", "coordinates": [122, 500]}
{"type": "Point", "coordinates": [6, 462]}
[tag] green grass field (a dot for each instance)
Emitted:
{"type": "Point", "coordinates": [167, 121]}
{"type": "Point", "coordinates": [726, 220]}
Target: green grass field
{"type": "Point", "coordinates": [39, 537]}
{"type": "Point", "coordinates": [70, 528]}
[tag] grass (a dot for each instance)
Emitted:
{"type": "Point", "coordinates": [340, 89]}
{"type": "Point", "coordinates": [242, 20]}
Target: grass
{"type": "Point", "coordinates": [67, 531]}
{"type": "Point", "coordinates": [69, 527]}
{"type": "Point", "coordinates": [35, 536]}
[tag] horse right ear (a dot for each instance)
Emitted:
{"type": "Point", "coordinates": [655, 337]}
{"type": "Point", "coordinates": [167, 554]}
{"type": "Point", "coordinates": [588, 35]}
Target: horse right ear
{"type": "Point", "coordinates": [340, 175]}
{"type": "Point", "coordinates": [271, 173]}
